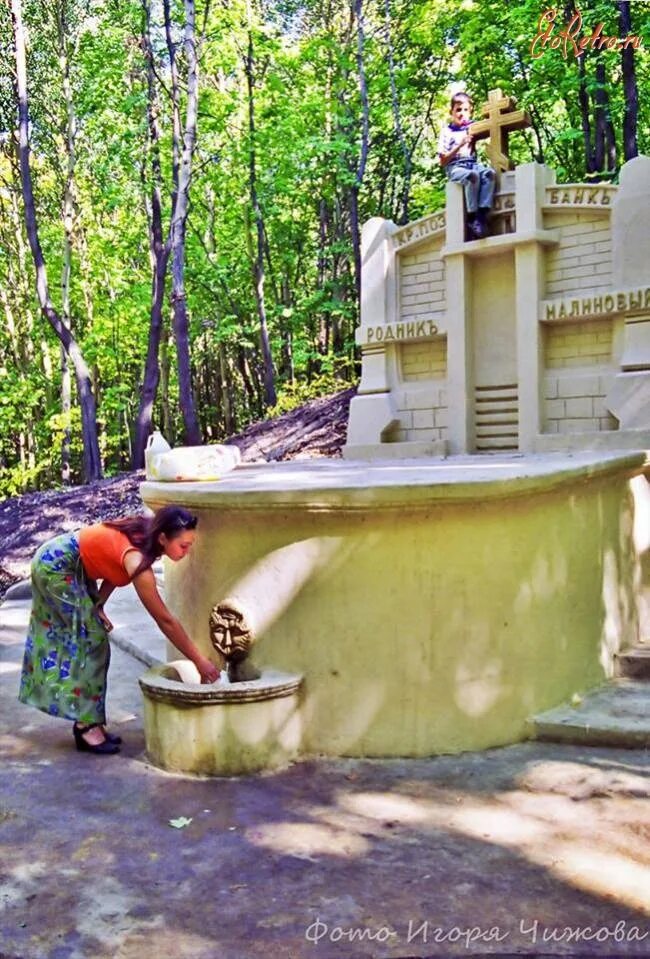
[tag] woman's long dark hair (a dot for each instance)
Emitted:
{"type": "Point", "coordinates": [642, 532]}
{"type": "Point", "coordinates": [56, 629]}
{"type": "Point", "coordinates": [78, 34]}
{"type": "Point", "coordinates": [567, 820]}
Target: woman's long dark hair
{"type": "Point", "coordinates": [143, 531]}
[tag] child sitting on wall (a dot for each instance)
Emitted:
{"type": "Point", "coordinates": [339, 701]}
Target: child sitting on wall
{"type": "Point", "coordinates": [458, 158]}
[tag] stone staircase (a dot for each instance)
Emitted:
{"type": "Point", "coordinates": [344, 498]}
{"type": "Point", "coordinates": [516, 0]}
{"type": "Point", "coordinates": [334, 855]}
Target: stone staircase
{"type": "Point", "coordinates": [616, 714]}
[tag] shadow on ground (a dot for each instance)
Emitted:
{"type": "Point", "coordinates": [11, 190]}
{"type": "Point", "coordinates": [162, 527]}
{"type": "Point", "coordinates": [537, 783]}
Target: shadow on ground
{"type": "Point", "coordinates": [534, 849]}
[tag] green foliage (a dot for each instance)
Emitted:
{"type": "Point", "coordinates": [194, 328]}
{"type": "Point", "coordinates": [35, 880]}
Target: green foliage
{"type": "Point", "coordinates": [14, 480]}
{"type": "Point", "coordinates": [307, 142]}
{"type": "Point", "coordinates": [293, 395]}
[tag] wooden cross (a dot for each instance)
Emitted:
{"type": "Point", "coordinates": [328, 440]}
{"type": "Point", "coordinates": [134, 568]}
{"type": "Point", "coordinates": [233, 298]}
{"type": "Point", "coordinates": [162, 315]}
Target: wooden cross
{"type": "Point", "coordinates": [502, 117]}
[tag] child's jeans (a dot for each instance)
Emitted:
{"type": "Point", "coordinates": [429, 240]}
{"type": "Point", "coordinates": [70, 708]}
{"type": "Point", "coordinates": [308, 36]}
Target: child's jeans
{"type": "Point", "coordinates": [477, 180]}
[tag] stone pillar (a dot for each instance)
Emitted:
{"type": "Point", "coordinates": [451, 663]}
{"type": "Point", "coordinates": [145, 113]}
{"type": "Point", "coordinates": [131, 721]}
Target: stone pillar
{"type": "Point", "coordinates": [629, 396]}
{"type": "Point", "coordinates": [630, 227]}
{"type": "Point", "coordinates": [372, 411]}
{"type": "Point", "coordinates": [531, 180]}
{"type": "Point", "coordinates": [460, 378]}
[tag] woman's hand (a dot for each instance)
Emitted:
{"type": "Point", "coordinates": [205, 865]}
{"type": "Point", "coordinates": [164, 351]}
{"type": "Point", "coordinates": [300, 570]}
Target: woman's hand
{"type": "Point", "coordinates": [145, 587]}
{"type": "Point", "coordinates": [103, 618]}
{"type": "Point", "coordinates": [209, 672]}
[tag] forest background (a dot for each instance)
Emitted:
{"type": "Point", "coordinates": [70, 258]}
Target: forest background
{"type": "Point", "coordinates": [182, 184]}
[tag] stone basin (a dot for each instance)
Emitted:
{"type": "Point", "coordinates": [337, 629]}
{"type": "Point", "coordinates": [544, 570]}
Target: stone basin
{"type": "Point", "coordinates": [431, 605]}
{"type": "Point", "coordinates": [222, 729]}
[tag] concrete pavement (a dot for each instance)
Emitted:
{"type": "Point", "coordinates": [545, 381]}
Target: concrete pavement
{"type": "Point", "coordinates": [536, 849]}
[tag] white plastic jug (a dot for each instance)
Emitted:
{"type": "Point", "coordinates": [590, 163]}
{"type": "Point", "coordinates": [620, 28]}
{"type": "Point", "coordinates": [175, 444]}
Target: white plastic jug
{"type": "Point", "coordinates": [194, 463]}
{"type": "Point", "coordinates": [156, 444]}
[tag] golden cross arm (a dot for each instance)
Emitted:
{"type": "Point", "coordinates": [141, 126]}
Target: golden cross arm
{"type": "Point", "coordinates": [518, 120]}
{"type": "Point", "coordinates": [501, 118]}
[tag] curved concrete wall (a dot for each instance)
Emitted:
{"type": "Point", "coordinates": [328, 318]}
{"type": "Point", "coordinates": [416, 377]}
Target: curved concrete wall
{"type": "Point", "coordinates": [426, 618]}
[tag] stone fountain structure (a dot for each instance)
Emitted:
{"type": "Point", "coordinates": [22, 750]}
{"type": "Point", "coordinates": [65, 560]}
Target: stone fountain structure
{"type": "Point", "coordinates": [481, 552]}
{"type": "Point", "coordinates": [246, 722]}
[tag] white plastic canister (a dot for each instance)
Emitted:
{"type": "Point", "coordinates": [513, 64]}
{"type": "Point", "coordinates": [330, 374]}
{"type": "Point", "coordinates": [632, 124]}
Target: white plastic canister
{"type": "Point", "coordinates": [156, 444]}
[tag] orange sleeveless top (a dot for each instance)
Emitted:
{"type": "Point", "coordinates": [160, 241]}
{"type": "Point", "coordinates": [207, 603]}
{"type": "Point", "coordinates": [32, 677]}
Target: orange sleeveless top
{"type": "Point", "coordinates": [102, 552]}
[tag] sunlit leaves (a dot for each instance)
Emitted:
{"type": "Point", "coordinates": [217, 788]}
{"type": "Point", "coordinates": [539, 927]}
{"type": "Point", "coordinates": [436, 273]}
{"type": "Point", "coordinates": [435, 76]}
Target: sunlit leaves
{"type": "Point", "coordinates": [308, 111]}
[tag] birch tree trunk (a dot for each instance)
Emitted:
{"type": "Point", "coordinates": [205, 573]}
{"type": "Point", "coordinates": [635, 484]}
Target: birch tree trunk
{"type": "Point", "coordinates": [175, 94]}
{"type": "Point", "coordinates": [583, 99]}
{"type": "Point", "coordinates": [605, 139]}
{"type": "Point", "coordinates": [159, 250]}
{"type": "Point", "coordinates": [321, 273]}
{"type": "Point", "coordinates": [363, 152]}
{"type": "Point", "coordinates": [21, 291]}
{"type": "Point", "coordinates": [11, 324]}
{"type": "Point", "coordinates": [66, 410]}
{"type": "Point", "coordinates": [92, 468]}
{"type": "Point", "coordinates": [228, 419]}
{"type": "Point", "coordinates": [270, 397]}
{"type": "Point", "coordinates": [19, 288]}
{"type": "Point", "coordinates": [324, 217]}
{"type": "Point", "coordinates": [397, 119]}
{"type": "Point", "coordinates": [192, 431]}
{"type": "Point", "coordinates": [68, 225]}
{"type": "Point", "coordinates": [165, 371]}
{"type": "Point", "coordinates": [630, 92]}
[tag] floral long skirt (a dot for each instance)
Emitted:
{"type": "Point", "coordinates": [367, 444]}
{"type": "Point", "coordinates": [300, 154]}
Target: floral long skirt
{"type": "Point", "coordinates": [67, 650]}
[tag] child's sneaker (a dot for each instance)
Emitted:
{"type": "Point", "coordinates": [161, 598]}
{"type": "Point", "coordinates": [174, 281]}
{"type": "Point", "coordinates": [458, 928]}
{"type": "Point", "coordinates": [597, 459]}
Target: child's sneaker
{"type": "Point", "coordinates": [475, 229]}
{"type": "Point", "coordinates": [483, 220]}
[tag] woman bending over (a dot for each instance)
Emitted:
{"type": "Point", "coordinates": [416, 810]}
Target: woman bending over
{"type": "Point", "coordinates": [67, 649]}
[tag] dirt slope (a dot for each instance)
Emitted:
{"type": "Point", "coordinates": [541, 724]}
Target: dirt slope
{"type": "Point", "coordinates": [314, 430]}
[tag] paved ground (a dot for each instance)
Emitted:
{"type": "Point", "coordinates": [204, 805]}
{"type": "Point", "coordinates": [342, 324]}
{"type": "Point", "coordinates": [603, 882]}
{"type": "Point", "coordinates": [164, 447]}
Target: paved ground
{"type": "Point", "coordinates": [533, 850]}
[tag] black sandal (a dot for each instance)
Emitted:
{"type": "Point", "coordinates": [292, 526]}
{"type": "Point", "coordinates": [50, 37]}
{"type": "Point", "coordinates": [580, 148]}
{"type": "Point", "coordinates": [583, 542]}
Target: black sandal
{"type": "Point", "coordinates": [103, 749]}
{"type": "Point", "coordinates": [112, 738]}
